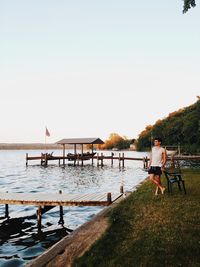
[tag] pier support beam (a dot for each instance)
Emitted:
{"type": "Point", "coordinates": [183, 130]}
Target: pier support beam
{"type": "Point", "coordinates": [46, 160]}
{"type": "Point", "coordinates": [61, 221]}
{"type": "Point", "coordinates": [75, 154]}
{"type": "Point", "coordinates": [92, 155]}
{"type": "Point", "coordinates": [145, 163]}
{"type": "Point", "coordinates": [26, 159]}
{"type": "Point", "coordinates": [109, 197]}
{"type": "Point", "coordinates": [63, 154]}
{"type": "Point", "coordinates": [119, 160]}
{"type": "Point", "coordinates": [122, 160]}
{"type": "Point", "coordinates": [121, 189]}
{"type": "Point", "coordinates": [39, 217]}
{"type": "Point", "coordinates": [82, 155]}
{"type": "Point", "coordinates": [112, 154]}
{"type": "Point", "coordinates": [101, 159]}
{"type": "Point", "coordinates": [6, 211]}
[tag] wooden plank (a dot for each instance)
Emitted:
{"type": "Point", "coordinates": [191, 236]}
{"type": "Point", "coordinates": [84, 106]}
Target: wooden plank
{"type": "Point", "coordinates": [89, 197]}
{"type": "Point", "coordinates": [80, 197]}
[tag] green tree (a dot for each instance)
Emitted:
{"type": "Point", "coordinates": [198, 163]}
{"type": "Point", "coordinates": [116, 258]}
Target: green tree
{"type": "Point", "coordinates": [188, 4]}
{"type": "Point", "coordinates": [180, 127]}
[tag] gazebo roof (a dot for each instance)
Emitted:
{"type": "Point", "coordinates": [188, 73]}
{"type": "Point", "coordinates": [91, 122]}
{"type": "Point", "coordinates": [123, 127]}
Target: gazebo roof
{"type": "Point", "coordinates": [80, 141]}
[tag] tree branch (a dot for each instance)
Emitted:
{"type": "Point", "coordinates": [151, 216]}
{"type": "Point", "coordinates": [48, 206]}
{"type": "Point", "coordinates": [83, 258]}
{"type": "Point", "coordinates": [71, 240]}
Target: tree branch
{"type": "Point", "coordinates": [188, 4]}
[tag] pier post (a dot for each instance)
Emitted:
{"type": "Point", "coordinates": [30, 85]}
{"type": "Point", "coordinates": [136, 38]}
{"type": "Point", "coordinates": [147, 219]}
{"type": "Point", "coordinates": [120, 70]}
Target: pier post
{"type": "Point", "coordinates": [144, 163]}
{"type": "Point", "coordinates": [74, 154]}
{"type": "Point", "coordinates": [123, 160]}
{"type": "Point", "coordinates": [112, 154]}
{"type": "Point", "coordinates": [81, 154]}
{"type": "Point", "coordinates": [6, 211]}
{"type": "Point", "coordinates": [46, 160]}
{"type": "Point", "coordinates": [109, 197]}
{"type": "Point", "coordinates": [26, 159]}
{"type": "Point", "coordinates": [101, 159]}
{"type": "Point", "coordinates": [63, 154]}
{"type": "Point", "coordinates": [92, 155]}
{"type": "Point", "coordinates": [61, 221]}
{"type": "Point", "coordinates": [78, 158]}
{"type": "Point", "coordinates": [119, 160]}
{"type": "Point", "coordinates": [121, 189]}
{"type": "Point", "coordinates": [41, 159]}
{"type": "Point", "coordinates": [39, 217]}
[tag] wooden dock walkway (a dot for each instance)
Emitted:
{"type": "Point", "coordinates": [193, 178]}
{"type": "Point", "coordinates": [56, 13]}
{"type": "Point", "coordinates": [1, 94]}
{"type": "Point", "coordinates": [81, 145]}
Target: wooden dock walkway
{"type": "Point", "coordinates": [43, 200]}
{"type": "Point", "coordinates": [45, 158]}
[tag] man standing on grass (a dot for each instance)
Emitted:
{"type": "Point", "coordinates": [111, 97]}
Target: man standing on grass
{"type": "Point", "coordinates": [157, 162]}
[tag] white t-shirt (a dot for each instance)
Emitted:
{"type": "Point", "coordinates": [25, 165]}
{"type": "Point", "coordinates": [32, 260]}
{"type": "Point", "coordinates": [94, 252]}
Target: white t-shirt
{"type": "Point", "coordinates": [156, 156]}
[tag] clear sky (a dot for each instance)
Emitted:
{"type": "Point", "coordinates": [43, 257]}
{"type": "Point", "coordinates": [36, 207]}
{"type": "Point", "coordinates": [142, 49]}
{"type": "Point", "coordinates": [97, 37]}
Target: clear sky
{"type": "Point", "coordinates": [88, 68]}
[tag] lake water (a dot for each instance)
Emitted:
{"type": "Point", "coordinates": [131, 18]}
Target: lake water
{"type": "Point", "coordinates": [19, 238]}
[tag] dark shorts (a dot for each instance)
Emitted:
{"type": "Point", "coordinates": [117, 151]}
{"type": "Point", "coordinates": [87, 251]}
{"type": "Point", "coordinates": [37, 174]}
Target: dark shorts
{"type": "Point", "coordinates": [155, 170]}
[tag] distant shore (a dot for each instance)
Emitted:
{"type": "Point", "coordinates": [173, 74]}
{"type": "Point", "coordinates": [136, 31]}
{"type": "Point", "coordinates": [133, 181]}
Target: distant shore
{"type": "Point", "coordinates": [23, 146]}
{"type": "Point", "coordinates": [40, 146]}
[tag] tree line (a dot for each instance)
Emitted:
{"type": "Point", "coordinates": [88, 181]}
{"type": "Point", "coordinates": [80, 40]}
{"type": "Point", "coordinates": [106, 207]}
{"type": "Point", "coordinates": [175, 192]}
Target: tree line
{"type": "Point", "coordinates": [181, 127]}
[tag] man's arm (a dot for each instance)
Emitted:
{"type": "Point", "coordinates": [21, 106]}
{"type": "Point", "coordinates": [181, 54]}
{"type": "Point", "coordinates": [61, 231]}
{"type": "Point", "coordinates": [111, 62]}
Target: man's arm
{"type": "Point", "coordinates": [164, 158]}
{"type": "Point", "coordinates": [150, 159]}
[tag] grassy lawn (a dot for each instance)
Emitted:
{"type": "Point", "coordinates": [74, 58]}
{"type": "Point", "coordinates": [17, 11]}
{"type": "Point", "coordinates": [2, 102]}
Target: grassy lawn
{"type": "Point", "coordinates": [148, 230]}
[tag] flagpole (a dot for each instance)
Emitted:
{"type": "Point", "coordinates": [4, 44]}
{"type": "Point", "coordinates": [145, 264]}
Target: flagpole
{"type": "Point", "coordinates": [45, 139]}
{"type": "Point", "coordinates": [46, 134]}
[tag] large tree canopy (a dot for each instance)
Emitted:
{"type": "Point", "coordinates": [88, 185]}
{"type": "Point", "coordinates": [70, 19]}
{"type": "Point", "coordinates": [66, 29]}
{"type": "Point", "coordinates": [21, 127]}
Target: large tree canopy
{"type": "Point", "coordinates": [188, 4]}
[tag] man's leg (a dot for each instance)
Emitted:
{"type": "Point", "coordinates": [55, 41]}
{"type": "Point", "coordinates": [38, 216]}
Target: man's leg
{"type": "Point", "coordinates": [156, 182]}
{"type": "Point", "coordinates": [157, 177]}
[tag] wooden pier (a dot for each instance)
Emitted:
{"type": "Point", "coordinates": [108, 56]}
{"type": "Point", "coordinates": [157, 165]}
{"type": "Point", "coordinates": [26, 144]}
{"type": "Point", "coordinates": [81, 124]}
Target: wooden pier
{"type": "Point", "coordinates": [99, 157]}
{"type": "Point", "coordinates": [48, 200]}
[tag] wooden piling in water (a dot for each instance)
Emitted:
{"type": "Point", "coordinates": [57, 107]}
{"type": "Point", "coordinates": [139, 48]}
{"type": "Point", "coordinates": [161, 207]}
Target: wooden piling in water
{"type": "Point", "coordinates": [121, 189]}
{"type": "Point", "coordinates": [97, 159]}
{"type": "Point", "coordinates": [78, 159]}
{"type": "Point", "coordinates": [101, 159]}
{"type": "Point", "coordinates": [112, 154]}
{"type": "Point", "coordinates": [26, 159]}
{"type": "Point", "coordinates": [119, 160]}
{"type": "Point", "coordinates": [6, 211]}
{"type": "Point", "coordinates": [61, 221]}
{"type": "Point", "coordinates": [39, 217]}
{"type": "Point", "coordinates": [109, 197]}
{"type": "Point", "coordinates": [146, 162]}
{"type": "Point", "coordinates": [45, 159]}
{"type": "Point", "coordinates": [122, 160]}
{"type": "Point", "coordinates": [63, 154]}
{"type": "Point", "coordinates": [92, 155]}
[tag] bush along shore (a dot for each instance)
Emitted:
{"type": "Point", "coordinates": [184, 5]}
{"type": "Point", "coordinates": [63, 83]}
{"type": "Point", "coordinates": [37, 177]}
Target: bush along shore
{"type": "Point", "coordinates": [149, 230]}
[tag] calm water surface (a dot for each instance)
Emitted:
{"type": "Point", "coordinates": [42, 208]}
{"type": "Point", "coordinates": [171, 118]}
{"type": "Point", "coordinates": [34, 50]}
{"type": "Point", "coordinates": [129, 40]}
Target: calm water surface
{"type": "Point", "coordinates": [19, 239]}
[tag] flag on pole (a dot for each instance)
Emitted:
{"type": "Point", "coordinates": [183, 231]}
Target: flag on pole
{"type": "Point", "coordinates": [47, 132]}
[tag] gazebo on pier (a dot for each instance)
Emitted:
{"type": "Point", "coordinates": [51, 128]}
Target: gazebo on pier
{"type": "Point", "coordinates": [82, 142]}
